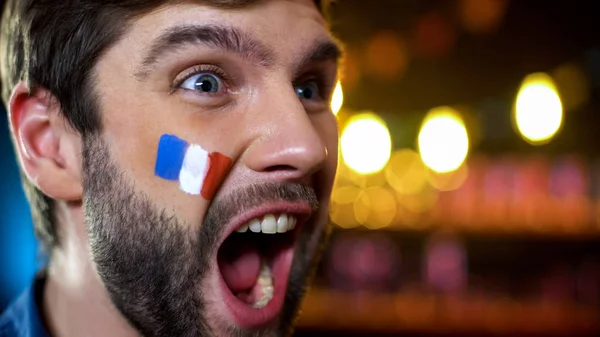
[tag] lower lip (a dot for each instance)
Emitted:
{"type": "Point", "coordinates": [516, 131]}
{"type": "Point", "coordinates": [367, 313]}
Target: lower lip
{"type": "Point", "coordinates": [247, 317]}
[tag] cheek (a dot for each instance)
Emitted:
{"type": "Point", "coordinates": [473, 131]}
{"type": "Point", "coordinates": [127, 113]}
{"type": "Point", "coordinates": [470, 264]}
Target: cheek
{"type": "Point", "coordinates": [197, 171]}
{"type": "Point", "coordinates": [153, 166]}
{"type": "Point", "coordinates": [148, 163]}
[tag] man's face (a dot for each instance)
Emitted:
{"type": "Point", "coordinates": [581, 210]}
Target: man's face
{"type": "Point", "coordinates": [254, 85]}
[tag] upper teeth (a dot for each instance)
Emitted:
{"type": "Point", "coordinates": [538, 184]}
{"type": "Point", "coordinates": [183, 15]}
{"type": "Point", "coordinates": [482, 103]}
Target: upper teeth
{"type": "Point", "coordinates": [270, 224]}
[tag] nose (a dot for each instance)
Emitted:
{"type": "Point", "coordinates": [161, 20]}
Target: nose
{"type": "Point", "coordinates": [287, 144]}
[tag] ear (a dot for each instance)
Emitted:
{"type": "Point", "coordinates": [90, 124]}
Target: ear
{"type": "Point", "coordinates": [47, 147]}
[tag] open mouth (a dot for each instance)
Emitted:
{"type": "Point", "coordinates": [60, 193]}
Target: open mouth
{"type": "Point", "coordinates": [254, 263]}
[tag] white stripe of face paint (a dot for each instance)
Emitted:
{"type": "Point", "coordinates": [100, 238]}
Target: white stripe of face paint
{"type": "Point", "coordinates": [194, 170]}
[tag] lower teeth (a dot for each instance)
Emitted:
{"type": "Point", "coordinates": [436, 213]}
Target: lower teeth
{"type": "Point", "coordinates": [265, 281]}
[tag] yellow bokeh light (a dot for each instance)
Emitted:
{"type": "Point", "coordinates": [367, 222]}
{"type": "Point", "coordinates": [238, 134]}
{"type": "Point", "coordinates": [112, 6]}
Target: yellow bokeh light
{"type": "Point", "coordinates": [341, 211]}
{"type": "Point", "coordinates": [538, 109]}
{"type": "Point", "coordinates": [366, 143]}
{"type": "Point", "coordinates": [337, 99]}
{"type": "Point", "coordinates": [449, 181]}
{"type": "Point", "coordinates": [420, 203]}
{"type": "Point", "coordinates": [375, 208]}
{"type": "Point", "coordinates": [406, 172]}
{"type": "Point", "coordinates": [443, 140]}
{"type": "Point", "coordinates": [344, 195]}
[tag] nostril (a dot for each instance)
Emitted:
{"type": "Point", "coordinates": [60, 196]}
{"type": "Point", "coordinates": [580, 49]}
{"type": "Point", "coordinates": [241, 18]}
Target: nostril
{"type": "Point", "coordinates": [276, 168]}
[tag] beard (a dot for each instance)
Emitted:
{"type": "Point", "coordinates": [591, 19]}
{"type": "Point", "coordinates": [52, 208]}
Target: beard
{"type": "Point", "coordinates": [153, 264]}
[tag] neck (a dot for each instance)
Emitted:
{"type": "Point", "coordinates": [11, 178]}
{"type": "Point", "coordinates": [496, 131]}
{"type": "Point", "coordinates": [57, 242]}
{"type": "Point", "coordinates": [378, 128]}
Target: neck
{"type": "Point", "coordinates": [75, 303]}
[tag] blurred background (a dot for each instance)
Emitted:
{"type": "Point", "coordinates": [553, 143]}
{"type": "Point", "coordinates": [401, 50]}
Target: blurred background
{"type": "Point", "coordinates": [468, 197]}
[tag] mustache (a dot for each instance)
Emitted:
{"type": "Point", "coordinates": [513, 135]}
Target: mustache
{"type": "Point", "coordinates": [223, 210]}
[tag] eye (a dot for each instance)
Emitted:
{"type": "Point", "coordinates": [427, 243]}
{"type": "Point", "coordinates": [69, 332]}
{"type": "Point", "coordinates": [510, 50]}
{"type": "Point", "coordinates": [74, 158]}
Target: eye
{"type": "Point", "coordinates": [308, 90]}
{"type": "Point", "coordinates": [204, 83]}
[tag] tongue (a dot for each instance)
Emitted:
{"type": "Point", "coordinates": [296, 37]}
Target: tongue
{"type": "Point", "coordinates": [239, 262]}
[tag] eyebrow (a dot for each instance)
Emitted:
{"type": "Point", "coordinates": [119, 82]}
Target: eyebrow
{"type": "Point", "coordinates": [321, 51]}
{"type": "Point", "coordinates": [233, 40]}
{"type": "Point", "coordinates": [230, 39]}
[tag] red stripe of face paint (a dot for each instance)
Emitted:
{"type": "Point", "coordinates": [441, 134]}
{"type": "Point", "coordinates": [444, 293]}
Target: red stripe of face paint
{"type": "Point", "coordinates": [218, 167]}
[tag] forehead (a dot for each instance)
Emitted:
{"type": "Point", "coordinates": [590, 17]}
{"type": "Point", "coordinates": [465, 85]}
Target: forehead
{"type": "Point", "coordinates": [281, 23]}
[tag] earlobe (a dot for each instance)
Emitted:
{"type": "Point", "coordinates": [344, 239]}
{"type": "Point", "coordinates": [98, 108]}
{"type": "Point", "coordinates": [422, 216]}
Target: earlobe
{"type": "Point", "coordinates": [40, 137]}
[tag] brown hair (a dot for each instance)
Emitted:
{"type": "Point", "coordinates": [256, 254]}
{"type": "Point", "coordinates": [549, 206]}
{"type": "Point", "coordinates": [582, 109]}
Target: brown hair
{"type": "Point", "coordinates": [54, 45]}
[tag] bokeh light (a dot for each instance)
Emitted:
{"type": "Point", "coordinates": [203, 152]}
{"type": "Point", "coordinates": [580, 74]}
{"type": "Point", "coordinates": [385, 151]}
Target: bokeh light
{"type": "Point", "coordinates": [418, 204]}
{"type": "Point", "coordinates": [375, 207]}
{"type": "Point", "coordinates": [347, 176]}
{"type": "Point", "coordinates": [434, 35]}
{"type": "Point", "coordinates": [406, 172]}
{"type": "Point", "coordinates": [366, 143]}
{"type": "Point", "coordinates": [482, 16]}
{"type": "Point", "coordinates": [446, 263]}
{"type": "Point", "coordinates": [337, 99]}
{"type": "Point", "coordinates": [386, 55]}
{"type": "Point", "coordinates": [538, 109]}
{"type": "Point", "coordinates": [342, 206]}
{"type": "Point", "coordinates": [449, 181]}
{"type": "Point", "coordinates": [443, 140]}
{"type": "Point", "coordinates": [573, 85]}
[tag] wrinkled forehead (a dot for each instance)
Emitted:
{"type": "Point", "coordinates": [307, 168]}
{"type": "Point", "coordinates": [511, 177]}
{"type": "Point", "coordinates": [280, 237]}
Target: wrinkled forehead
{"type": "Point", "coordinates": [279, 23]}
{"type": "Point", "coordinates": [279, 32]}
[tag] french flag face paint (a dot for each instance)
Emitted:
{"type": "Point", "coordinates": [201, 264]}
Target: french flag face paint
{"type": "Point", "coordinates": [198, 171]}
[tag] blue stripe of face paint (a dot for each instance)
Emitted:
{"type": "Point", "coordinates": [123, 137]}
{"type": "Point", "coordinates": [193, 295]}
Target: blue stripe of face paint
{"type": "Point", "coordinates": [171, 151]}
